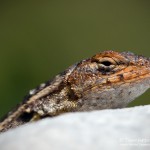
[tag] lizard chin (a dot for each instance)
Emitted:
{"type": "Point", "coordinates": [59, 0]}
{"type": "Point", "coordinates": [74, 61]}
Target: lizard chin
{"type": "Point", "coordinates": [114, 96]}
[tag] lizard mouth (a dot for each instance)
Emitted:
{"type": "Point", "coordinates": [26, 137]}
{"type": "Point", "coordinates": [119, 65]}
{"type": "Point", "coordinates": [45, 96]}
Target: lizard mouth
{"type": "Point", "coordinates": [130, 73]}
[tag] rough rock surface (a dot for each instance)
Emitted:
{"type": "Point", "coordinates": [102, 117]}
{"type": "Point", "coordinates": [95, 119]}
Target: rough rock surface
{"type": "Point", "coordinates": [124, 129]}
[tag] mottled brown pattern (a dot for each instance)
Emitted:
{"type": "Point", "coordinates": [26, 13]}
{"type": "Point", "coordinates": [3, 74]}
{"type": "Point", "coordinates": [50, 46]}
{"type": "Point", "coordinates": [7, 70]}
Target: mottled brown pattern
{"type": "Point", "coordinates": [107, 80]}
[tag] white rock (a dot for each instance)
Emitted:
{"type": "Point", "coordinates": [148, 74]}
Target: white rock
{"type": "Point", "coordinates": [118, 129]}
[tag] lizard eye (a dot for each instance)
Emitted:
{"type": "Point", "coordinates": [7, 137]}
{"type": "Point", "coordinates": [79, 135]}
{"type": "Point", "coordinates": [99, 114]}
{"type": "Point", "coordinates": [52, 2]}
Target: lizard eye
{"type": "Point", "coordinates": [107, 61]}
{"type": "Point", "coordinates": [106, 65]}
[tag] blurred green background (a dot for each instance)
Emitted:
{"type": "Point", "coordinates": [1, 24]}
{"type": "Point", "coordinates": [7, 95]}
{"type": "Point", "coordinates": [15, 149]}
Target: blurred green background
{"type": "Point", "coordinates": [39, 39]}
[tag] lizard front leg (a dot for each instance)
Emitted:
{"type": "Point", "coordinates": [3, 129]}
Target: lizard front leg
{"type": "Point", "coordinates": [54, 109]}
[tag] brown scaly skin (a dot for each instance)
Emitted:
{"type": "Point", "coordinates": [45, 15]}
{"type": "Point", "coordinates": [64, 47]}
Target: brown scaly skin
{"type": "Point", "coordinates": [107, 80]}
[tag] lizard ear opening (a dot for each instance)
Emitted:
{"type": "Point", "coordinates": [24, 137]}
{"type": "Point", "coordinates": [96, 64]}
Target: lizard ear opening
{"type": "Point", "coordinates": [25, 117]}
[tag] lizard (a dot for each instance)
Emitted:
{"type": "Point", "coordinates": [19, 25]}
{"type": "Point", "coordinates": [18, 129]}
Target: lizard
{"type": "Point", "coordinates": [107, 80]}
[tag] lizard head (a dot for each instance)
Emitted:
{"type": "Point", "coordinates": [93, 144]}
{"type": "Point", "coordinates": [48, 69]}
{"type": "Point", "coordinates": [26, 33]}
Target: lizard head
{"type": "Point", "coordinates": [126, 64]}
{"type": "Point", "coordinates": [111, 79]}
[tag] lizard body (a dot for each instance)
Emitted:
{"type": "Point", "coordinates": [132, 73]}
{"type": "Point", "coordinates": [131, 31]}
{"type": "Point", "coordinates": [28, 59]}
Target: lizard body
{"type": "Point", "coordinates": [107, 80]}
